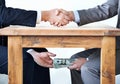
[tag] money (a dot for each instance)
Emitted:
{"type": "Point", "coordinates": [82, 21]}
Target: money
{"type": "Point", "coordinates": [62, 62]}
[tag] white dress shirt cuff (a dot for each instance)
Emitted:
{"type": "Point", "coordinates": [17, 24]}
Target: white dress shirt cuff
{"type": "Point", "coordinates": [87, 59]}
{"type": "Point", "coordinates": [30, 50]}
{"type": "Point", "coordinates": [38, 17]}
{"type": "Point", "coordinates": [77, 17]}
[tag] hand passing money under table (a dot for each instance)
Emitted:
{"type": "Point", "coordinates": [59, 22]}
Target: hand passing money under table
{"type": "Point", "coordinates": [62, 62]}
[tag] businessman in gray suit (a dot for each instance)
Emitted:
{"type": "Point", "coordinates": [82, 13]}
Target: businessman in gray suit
{"type": "Point", "coordinates": [90, 69]}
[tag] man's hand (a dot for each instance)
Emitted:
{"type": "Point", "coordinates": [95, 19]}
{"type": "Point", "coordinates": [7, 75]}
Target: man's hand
{"type": "Point", "coordinates": [68, 13]}
{"type": "Point", "coordinates": [78, 63]}
{"type": "Point", "coordinates": [67, 16]}
{"type": "Point", "coordinates": [57, 17]}
{"type": "Point", "coordinates": [43, 58]}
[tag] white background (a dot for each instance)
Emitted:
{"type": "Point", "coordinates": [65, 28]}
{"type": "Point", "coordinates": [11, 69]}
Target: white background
{"type": "Point", "coordinates": [59, 76]}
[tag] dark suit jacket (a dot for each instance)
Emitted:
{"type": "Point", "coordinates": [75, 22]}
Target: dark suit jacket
{"type": "Point", "coordinates": [12, 16]}
{"type": "Point", "coordinates": [101, 12]}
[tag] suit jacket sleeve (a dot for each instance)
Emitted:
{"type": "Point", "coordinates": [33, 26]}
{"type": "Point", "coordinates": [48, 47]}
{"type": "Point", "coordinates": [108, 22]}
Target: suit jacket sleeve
{"type": "Point", "coordinates": [101, 12]}
{"type": "Point", "coordinates": [12, 16]}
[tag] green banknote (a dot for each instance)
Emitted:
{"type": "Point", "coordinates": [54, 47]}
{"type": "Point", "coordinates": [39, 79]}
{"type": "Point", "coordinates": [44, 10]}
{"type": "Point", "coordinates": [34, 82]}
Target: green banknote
{"type": "Point", "coordinates": [62, 62]}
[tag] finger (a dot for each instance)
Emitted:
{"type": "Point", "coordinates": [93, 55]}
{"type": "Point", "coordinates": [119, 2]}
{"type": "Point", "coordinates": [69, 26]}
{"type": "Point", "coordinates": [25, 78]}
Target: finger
{"type": "Point", "coordinates": [64, 22]}
{"type": "Point", "coordinates": [63, 11]}
{"type": "Point", "coordinates": [60, 24]}
{"type": "Point", "coordinates": [51, 54]}
{"type": "Point", "coordinates": [45, 58]}
{"type": "Point", "coordinates": [78, 69]}
{"type": "Point", "coordinates": [67, 18]}
{"type": "Point", "coordinates": [46, 65]}
{"type": "Point", "coordinates": [52, 23]}
{"type": "Point", "coordinates": [74, 66]}
{"type": "Point", "coordinates": [46, 54]}
{"type": "Point", "coordinates": [49, 65]}
{"type": "Point", "coordinates": [56, 23]}
{"type": "Point", "coordinates": [47, 61]}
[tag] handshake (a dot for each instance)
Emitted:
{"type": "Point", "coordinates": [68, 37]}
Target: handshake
{"type": "Point", "coordinates": [57, 17]}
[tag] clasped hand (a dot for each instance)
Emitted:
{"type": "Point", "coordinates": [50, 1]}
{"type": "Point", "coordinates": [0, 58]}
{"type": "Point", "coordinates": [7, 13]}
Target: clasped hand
{"type": "Point", "coordinates": [57, 17]}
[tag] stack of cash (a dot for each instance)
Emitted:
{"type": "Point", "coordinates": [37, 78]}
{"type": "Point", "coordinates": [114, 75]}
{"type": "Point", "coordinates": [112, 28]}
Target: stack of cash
{"type": "Point", "coordinates": [62, 62]}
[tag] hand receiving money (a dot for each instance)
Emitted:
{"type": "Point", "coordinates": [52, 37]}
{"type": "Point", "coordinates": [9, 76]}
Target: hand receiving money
{"type": "Point", "coordinates": [62, 62]}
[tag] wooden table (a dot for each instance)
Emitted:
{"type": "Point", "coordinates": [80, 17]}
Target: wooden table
{"type": "Point", "coordinates": [20, 37]}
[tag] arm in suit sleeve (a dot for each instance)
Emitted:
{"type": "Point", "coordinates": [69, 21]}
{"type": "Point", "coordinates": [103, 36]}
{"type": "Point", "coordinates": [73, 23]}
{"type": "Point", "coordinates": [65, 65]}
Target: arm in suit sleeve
{"type": "Point", "coordinates": [12, 16]}
{"type": "Point", "coordinates": [101, 12]}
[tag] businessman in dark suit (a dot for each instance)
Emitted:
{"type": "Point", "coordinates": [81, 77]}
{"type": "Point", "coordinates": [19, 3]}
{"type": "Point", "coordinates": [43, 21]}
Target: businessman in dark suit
{"type": "Point", "coordinates": [90, 69]}
{"type": "Point", "coordinates": [34, 60]}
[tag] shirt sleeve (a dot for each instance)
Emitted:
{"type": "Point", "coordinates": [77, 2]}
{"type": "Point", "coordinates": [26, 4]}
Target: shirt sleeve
{"type": "Point", "coordinates": [77, 17]}
{"type": "Point", "coordinates": [29, 50]}
{"type": "Point", "coordinates": [38, 17]}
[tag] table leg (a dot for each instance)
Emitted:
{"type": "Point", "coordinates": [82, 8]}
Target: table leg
{"type": "Point", "coordinates": [108, 61]}
{"type": "Point", "coordinates": [15, 60]}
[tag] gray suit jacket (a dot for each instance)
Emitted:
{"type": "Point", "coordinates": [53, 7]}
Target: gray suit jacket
{"type": "Point", "coordinates": [101, 12]}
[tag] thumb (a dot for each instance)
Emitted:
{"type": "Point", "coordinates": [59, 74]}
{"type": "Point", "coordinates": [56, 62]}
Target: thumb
{"type": "Point", "coordinates": [57, 12]}
{"type": "Point", "coordinates": [74, 66]}
{"type": "Point", "coordinates": [51, 54]}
